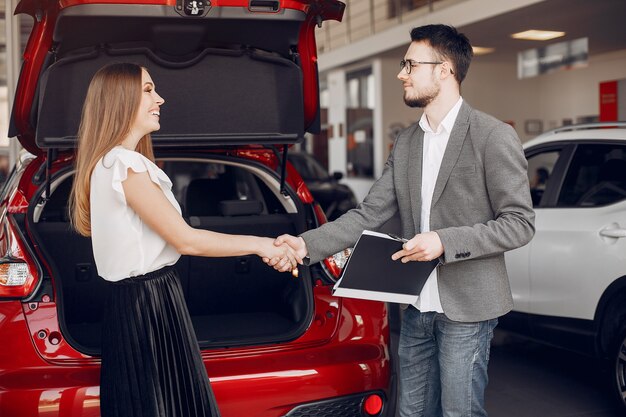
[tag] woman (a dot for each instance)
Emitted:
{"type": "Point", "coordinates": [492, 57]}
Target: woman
{"type": "Point", "coordinates": [151, 363]}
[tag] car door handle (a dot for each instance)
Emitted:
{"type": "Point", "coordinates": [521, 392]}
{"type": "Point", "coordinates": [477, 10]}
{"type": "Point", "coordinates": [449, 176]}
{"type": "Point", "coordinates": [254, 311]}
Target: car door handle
{"type": "Point", "coordinates": [616, 233]}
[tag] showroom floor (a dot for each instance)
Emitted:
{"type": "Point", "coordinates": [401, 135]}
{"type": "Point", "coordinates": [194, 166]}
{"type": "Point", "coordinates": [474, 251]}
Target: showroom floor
{"type": "Point", "coordinates": [527, 379]}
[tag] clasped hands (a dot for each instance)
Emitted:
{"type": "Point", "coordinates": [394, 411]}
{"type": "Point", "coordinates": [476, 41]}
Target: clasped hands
{"type": "Point", "coordinates": [422, 247]}
{"type": "Point", "coordinates": [280, 255]}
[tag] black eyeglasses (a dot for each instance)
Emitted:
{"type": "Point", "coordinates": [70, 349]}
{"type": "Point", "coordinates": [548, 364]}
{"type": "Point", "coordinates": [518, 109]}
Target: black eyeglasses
{"type": "Point", "coordinates": [407, 64]}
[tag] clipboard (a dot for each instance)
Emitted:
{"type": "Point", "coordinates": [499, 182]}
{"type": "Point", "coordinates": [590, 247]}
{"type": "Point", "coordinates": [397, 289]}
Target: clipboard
{"type": "Point", "coordinates": [371, 274]}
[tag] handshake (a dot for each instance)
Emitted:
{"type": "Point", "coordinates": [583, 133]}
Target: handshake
{"type": "Point", "coordinates": [284, 253]}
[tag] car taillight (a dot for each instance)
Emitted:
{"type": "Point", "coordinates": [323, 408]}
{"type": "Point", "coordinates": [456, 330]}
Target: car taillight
{"type": "Point", "coordinates": [331, 268]}
{"type": "Point", "coordinates": [17, 278]}
{"type": "Point", "coordinates": [333, 265]}
{"type": "Point", "coordinates": [373, 405]}
{"type": "Point", "coordinates": [13, 274]}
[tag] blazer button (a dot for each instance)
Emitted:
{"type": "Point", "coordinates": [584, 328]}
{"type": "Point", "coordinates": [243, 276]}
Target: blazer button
{"type": "Point", "coordinates": [457, 256]}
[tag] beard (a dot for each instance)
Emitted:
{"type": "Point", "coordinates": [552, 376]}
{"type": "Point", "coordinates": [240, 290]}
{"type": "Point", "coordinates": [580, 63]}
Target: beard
{"type": "Point", "coordinates": [423, 99]}
{"type": "Point", "coordinates": [419, 102]}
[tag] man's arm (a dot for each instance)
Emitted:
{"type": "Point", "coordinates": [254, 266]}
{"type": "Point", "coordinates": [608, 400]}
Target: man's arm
{"type": "Point", "coordinates": [379, 205]}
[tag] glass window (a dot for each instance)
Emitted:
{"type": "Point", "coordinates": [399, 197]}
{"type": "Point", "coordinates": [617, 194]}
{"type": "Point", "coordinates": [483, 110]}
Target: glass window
{"type": "Point", "coordinates": [359, 120]}
{"type": "Point", "coordinates": [595, 177]}
{"type": "Point", "coordinates": [308, 168]}
{"type": "Point", "coordinates": [540, 168]}
{"type": "Point", "coordinates": [398, 7]}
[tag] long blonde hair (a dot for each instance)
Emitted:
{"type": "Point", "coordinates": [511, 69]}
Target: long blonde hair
{"type": "Point", "coordinates": [109, 111]}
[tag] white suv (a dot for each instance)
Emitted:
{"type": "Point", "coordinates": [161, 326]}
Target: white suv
{"type": "Point", "coordinates": [569, 282]}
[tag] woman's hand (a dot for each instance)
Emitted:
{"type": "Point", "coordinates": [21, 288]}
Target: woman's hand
{"type": "Point", "coordinates": [282, 258]}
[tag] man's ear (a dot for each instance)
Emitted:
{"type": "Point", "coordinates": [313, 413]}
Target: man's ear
{"type": "Point", "coordinates": [446, 70]}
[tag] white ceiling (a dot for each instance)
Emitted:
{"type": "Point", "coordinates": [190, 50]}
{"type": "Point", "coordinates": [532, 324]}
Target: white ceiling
{"type": "Point", "coordinates": [602, 21]}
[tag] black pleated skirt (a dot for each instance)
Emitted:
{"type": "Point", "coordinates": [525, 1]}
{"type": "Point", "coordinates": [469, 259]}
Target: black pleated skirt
{"type": "Point", "coordinates": [151, 363]}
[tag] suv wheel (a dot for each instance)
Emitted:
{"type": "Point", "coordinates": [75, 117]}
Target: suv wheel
{"type": "Point", "coordinates": [618, 358]}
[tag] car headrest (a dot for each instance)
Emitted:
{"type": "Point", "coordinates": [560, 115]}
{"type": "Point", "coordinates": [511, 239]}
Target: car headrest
{"type": "Point", "coordinates": [241, 207]}
{"type": "Point", "coordinates": [204, 195]}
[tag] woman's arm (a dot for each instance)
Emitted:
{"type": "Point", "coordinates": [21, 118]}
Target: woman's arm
{"type": "Point", "coordinates": [148, 201]}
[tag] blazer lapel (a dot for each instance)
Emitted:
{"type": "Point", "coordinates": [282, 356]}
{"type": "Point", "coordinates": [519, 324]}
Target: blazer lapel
{"type": "Point", "coordinates": [453, 150]}
{"type": "Point", "coordinates": [416, 151]}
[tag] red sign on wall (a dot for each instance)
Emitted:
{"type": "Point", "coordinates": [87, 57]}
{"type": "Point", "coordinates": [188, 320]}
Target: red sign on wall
{"type": "Point", "coordinates": [608, 101]}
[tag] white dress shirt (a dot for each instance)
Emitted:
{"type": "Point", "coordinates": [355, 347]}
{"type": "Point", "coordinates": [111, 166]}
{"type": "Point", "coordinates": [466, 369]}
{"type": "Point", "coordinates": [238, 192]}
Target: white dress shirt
{"type": "Point", "coordinates": [123, 245]}
{"type": "Point", "coordinates": [434, 147]}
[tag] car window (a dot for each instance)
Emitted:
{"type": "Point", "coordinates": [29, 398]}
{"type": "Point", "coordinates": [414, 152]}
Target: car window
{"type": "Point", "coordinates": [595, 177]}
{"type": "Point", "coordinates": [308, 168]}
{"type": "Point", "coordinates": [540, 167]}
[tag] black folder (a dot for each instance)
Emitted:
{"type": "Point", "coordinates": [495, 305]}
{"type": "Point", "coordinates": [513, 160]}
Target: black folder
{"type": "Point", "coordinates": [371, 274]}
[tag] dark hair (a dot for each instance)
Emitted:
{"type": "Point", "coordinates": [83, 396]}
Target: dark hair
{"type": "Point", "coordinates": [449, 45]}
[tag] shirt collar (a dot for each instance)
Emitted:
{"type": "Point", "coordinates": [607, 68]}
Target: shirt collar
{"type": "Point", "coordinates": [447, 123]}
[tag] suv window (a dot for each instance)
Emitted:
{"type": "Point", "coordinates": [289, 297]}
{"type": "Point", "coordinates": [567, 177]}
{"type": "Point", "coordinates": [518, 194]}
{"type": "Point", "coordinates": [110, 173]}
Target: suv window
{"type": "Point", "coordinates": [595, 177]}
{"type": "Point", "coordinates": [540, 167]}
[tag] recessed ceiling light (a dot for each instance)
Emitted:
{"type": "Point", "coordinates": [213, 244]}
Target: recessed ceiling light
{"type": "Point", "coordinates": [537, 35]}
{"type": "Point", "coordinates": [482, 50]}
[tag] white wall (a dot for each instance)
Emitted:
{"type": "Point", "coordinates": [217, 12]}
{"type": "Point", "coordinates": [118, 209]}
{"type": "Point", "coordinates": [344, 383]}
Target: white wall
{"type": "Point", "coordinates": [495, 89]}
{"type": "Point", "coordinates": [337, 119]}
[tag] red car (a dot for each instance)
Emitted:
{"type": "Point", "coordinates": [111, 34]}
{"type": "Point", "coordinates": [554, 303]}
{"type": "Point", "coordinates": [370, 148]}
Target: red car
{"type": "Point", "coordinates": [240, 82]}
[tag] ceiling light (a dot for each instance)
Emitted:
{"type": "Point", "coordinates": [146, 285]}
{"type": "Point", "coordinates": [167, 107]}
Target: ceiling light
{"type": "Point", "coordinates": [481, 50]}
{"type": "Point", "coordinates": [537, 35]}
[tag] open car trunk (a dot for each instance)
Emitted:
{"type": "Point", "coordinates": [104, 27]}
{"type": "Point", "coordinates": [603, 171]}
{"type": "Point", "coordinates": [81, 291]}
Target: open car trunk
{"type": "Point", "coordinates": [232, 301]}
{"type": "Point", "coordinates": [231, 77]}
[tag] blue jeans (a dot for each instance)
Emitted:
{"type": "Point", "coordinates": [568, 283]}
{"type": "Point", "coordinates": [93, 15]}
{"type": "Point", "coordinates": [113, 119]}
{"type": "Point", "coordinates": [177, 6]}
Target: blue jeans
{"type": "Point", "coordinates": [443, 365]}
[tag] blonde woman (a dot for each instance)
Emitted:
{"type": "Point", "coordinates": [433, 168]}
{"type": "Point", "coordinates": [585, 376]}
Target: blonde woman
{"type": "Point", "coordinates": [151, 363]}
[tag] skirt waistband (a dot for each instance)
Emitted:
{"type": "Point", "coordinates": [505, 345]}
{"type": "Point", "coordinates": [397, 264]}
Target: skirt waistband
{"type": "Point", "coordinates": [159, 273]}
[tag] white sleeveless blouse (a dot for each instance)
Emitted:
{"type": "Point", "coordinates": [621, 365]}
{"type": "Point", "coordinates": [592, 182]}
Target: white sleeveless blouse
{"type": "Point", "coordinates": [123, 246]}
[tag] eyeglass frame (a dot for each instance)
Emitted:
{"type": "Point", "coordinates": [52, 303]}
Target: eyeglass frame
{"type": "Point", "coordinates": [411, 64]}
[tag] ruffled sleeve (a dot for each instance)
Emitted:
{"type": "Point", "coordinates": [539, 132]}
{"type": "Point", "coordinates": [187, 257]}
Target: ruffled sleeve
{"type": "Point", "coordinates": [120, 161]}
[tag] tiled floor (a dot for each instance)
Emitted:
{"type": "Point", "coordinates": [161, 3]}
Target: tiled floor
{"type": "Point", "coordinates": [527, 379]}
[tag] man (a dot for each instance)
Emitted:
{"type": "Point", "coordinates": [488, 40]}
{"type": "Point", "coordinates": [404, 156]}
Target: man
{"type": "Point", "coordinates": [458, 181]}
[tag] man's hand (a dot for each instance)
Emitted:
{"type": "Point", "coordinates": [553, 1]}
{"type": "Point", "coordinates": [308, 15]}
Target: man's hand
{"type": "Point", "coordinates": [296, 243]}
{"type": "Point", "coordinates": [423, 247]}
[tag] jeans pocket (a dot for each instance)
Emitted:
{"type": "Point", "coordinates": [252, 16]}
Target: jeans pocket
{"type": "Point", "coordinates": [491, 324]}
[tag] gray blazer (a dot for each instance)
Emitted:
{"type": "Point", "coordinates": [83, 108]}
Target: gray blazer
{"type": "Point", "coordinates": [481, 207]}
